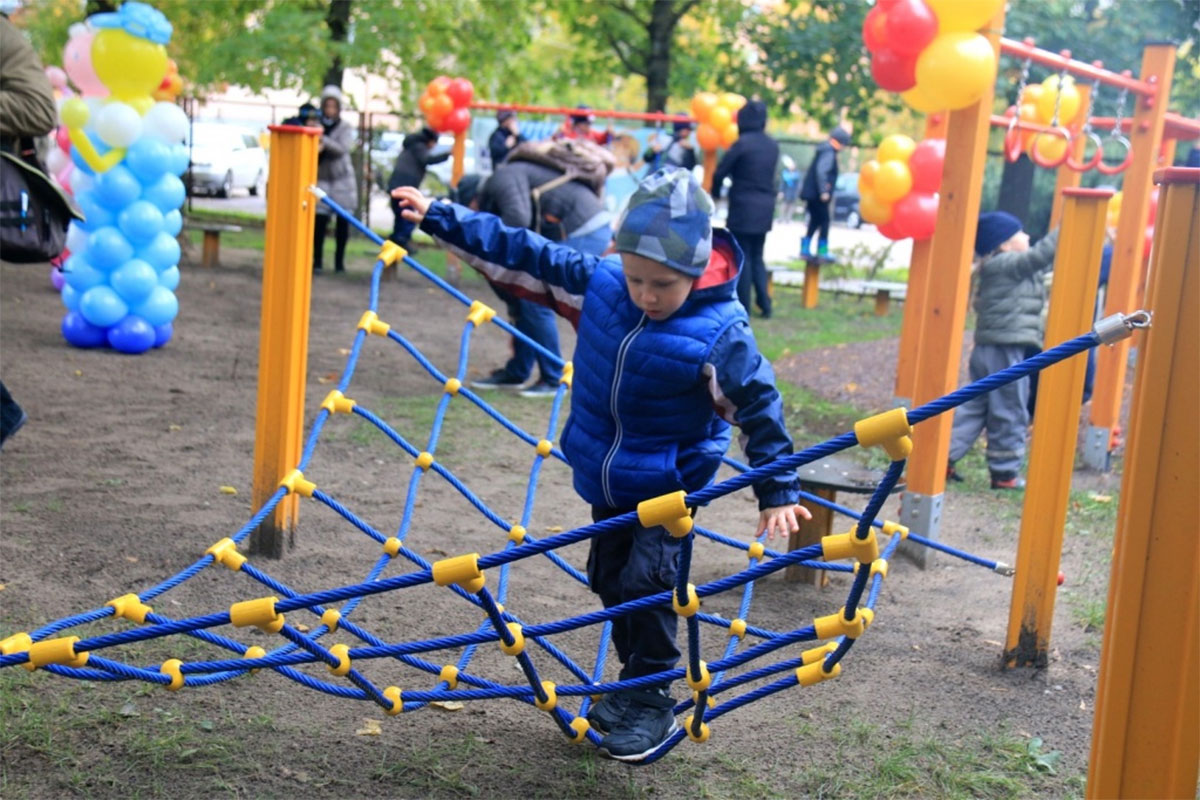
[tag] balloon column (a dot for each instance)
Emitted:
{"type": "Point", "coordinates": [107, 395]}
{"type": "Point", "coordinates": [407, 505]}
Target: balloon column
{"type": "Point", "coordinates": [898, 189]}
{"type": "Point", "coordinates": [717, 115]}
{"type": "Point", "coordinates": [127, 154]}
{"type": "Point", "coordinates": [930, 52]}
{"type": "Point", "coordinates": [446, 104]}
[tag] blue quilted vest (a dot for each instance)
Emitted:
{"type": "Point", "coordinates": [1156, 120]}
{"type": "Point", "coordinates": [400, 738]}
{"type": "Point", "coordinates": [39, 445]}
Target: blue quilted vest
{"type": "Point", "coordinates": [642, 421]}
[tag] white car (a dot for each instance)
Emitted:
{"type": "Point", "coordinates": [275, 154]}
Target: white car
{"type": "Point", "coordinates": [224, 158]}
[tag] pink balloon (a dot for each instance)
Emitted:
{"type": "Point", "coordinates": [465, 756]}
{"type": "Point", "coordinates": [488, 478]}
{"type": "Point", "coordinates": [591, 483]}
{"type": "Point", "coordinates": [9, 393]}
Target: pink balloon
{"type": "Point", "coordinates": [64, 178]}
{"type": "Point", "coordinates": [63, 137]}
{"type": "Point", "coordinates": [57, 77]}
{"type": "Point", "coordinates": [915, 214]}
{"type": "Point", "coordinates": [77, 60]}
{"type": "Point", "coordinates": [892, 71]}
{"type": "Point", "coordinates": [926, 164]}
{"type": "Point", "coordinates": [910, 26]}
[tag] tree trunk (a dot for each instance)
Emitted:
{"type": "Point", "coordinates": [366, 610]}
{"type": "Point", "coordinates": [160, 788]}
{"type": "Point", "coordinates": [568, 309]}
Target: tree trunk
{"type": "Point", "coordinates": [661, 32]}
{"type": "Point", "coordinates": [99, 7]}
{"type": "Point", "coordinates": [338, 20]}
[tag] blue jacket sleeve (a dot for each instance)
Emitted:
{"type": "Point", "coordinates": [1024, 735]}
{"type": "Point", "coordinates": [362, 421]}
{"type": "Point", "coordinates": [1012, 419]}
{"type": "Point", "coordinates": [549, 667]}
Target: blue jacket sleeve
{"type": "Point", "coordinates": [743, 390]}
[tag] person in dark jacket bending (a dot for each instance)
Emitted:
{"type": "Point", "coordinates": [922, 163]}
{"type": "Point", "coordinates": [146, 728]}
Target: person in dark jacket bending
{"type": "Point", "coordinates": [750, 163]}
{"type": "Point", "coordinates": [506, 136]}
{"type": "Point", "coordinates": [817, 192]}
{"type": "Point", "coordinates": [409, 170]}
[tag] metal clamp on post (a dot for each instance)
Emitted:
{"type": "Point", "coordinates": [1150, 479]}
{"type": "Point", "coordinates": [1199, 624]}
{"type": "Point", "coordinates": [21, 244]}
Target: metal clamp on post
{"type": "Point", "coordinates": [667, 510]}
{"type": "Point", "coordinates": [1006, 570]}
{"type": "Point", "coordinates": [1121, 326]}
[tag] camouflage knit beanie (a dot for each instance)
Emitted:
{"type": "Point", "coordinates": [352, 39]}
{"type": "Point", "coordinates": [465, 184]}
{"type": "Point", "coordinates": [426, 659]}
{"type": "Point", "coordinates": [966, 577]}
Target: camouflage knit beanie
{"type": "Point", "coordinates": [668, 220]}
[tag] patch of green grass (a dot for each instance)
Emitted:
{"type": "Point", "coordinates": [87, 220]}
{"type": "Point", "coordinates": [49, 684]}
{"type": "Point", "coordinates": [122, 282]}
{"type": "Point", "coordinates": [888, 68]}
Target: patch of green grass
{"type": "Point", "coordinates": [1092, 513]}
{"type": "Point", "coordinates": [22, 507]}
{"type": "Point", "coordinates": [811, 417]}
{"type": "Point", "coordinates": [837, 319]}
{"type": "Point", "coordinates": [55, 505]}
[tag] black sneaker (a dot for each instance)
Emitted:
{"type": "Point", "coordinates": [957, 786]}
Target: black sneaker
{"type": "Point", "coordinates": [607, 712]}
{"type": "Point", "coordinates": [646, 725]}
{"type": "Point", "coordinates": [952, 473]}
{"type": "Point", "coordinates": [499, 379]}
{"type": "Point", "coordinates": [1007, 482]}
{"type": "Point", "coordinates": [540, 389]}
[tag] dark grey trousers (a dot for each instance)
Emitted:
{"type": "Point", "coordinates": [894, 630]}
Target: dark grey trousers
{"type": "Point", "coordinates": [1003, 412]}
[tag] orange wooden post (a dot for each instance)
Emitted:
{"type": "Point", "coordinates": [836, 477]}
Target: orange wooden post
{"type": "Point", "coordinates": [458, 157]}
{"type": "Point", "coordinates": [945, 310]}
{"type": "Point", "coordinates": [812, 282]}
{"type": "Point", "coordinates": [1052, 451]}
{"type": "Point", "coordinates": [1158, 63]}
{"type": "Point", "coordinates": [710, 167]}
{"type": "Point", "coordinates": [1146, 734]}
{"type": "Point", "coordinates": [1065, 177]}
{"type": "Point", "coordinates": [283, 332]}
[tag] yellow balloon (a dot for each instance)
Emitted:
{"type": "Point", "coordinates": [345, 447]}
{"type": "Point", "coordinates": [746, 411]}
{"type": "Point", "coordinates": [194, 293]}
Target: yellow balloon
{"type": "Point", "coordinates": [732, 101]}
{"type": "Point", "coordinates": [866, 176]}
{"type": "Point", "coordinates": [74, 113]}
{"type": "Point", "coordinates": [893, 181]}
{"type": "Point", "coordinates": [1050, 147]}
{"type": "Point", "coordinates": [130, 66]}
{"type": "Point", "coordinates": [703, 104]}
{"type": "Point", "coordinates": [956, 69]}
{"type": "Point", "coordinates": [1068, 100]}
{"type": "Point", "coordinates": [729, 135]}
{"type": "Point", "coordinates": [720, 118]}
{"type": "Point", "coordinates": [873, 210]}
{"type": "Point", "coordinates": [919, 101]}
{"type": "Point", "coordinates": [963, 15]}
{"type": "Point", "coordinates": [896, 147]}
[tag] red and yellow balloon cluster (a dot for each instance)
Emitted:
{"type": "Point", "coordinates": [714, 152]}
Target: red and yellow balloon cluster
{"type": "Point", "coordinates": [929, 51]}
{"type": "Point", "coordinates": [1048, 104]}
{"type": "Point", "coordinates": [445, 104]}
{"type": "Point", "coordinates": [898, 189]}
{"type": "Point", "coordinates": [717, 115]}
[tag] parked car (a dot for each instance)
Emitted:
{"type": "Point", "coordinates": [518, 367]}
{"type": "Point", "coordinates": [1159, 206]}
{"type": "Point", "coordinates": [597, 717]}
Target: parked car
{"type": "Point", "coordinates": [845, 200]}
{"type": "Point", "coordinates": [224, 158]}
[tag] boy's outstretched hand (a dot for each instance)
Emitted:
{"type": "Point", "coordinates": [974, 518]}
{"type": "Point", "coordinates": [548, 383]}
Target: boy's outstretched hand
{"type": "Point", "coordinates": [782, 520]}
{"type": "Point", "coordinates": [413, 204]}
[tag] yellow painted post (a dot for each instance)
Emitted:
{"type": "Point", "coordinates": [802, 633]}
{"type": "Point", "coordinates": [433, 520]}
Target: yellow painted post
{"type": "Point", "coordinates": [946, 307]}
{"type": "Point", "coordinates": [1146, 734]}
{"type": "Point", "coordinates": [1145, 136]}
{"type": "Point", "coordinates": [1052, 451]}
{"type": "Point", "coordinates": [283, 332]}
{"type": "Point", "coordinates": [1065, 177]}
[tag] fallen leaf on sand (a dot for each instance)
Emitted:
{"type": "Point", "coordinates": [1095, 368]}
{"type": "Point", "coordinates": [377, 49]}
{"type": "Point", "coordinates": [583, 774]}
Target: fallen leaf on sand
{"type": "Point", "coordinates": [173, 428]}
{"type": "Point", "coordinates": [228, 490]}
{"type": "Point", "coordinates": [131, 559]}
{"type": "Point", "coordinates": [1095, 497]}
{"type": "Point", "coordinates": [554, 529]}
{"type": "Point", "coordinates": [447, 705]}
{"type": "Point", "coordinates": [300, 626]}
{"type": "Point", "coordinates": [851, 387]}
{"type": "Point", "coordinates": [370, 728]}
{"type": "Point", "coordinates": [343, 351]}
{"type": "Point", "coordinates": [78, 373]}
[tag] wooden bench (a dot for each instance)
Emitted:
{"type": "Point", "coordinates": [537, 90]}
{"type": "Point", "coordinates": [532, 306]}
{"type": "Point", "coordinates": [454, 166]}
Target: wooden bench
{"type": "Point", "coordinates": [825, 478]}
{"type": "Point", "coordinates": [210, 256]}
{"type": "Point", "coordinates": [883, 291]}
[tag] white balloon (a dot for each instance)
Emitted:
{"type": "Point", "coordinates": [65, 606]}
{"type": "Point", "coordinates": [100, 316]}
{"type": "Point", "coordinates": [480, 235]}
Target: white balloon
{"type": "Point", "coordinates": [77, 237]}
{"type": "Point", "coordinates": [166, 121]}
{"type": "Point", "coordinates": [118, 125]}
{"type": "Point", "coordinates": [56, 159]}
{"type": "Point", "coordinates": [94, 104]}
{"type": "Point", "coordinates": [80, 181]}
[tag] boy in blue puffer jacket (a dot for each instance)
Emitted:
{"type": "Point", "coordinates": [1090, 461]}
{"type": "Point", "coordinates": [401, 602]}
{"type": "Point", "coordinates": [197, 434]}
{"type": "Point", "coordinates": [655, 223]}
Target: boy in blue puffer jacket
{"type": "Point", "coordinates": [665, 362]}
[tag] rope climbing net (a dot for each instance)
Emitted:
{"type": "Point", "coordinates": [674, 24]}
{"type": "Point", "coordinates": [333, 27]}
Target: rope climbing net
{"type": "Point", "coordinates": [740, 676]}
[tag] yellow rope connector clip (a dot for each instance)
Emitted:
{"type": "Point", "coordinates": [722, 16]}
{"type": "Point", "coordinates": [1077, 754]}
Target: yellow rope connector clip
{"type": "Point", "coordinates": [331, 618]}
{"type": "Point", "coordinates": [171, 667]}
{"type": "Point", "coordinates": [449, 676]}
{"type": "Point", "coordinates": [451, 386]}
{"type": "Point", "coordinates": [130, 607]}
{"type": "Point", "coordinates": [551, 697]}
{"type": "Point", "coordinates": [424, 460]}
{"type": "Point", "coordinates": [254, 651]}
{"type": "Point", "coordinates": [703, 681]}
{"type": "Point", "coordinates": [517, 533]}
{"type": "Point", "coordinates": [667, 510]}
{"type": "Point", "coordinates": [480, 313]}
{"type": "Point", "coordinates": [225, 552]}
{"type": "Point", "coordinates": [756, 550]}
{"type": "Point", "coordinates": [889, 429]}
{"type": "Point", "coordinates": [55, 651]}
{"type": "Point", "coordinates": [705, 731]}
{"type": "Point", "coordinates": [580, 726]}
{"type": "Point", "coordinates": [878, 567]}
{"type": "Point", "coordinates": [848, 545]}
{"type": "Point", "coordinates": [342, 653]}
{"type": "Point", "coordinates": [737, 628]}
{"type": "Point", "coordinates": [394, 694]}
{"type": "Point", "coordinates": [693, 603]}
{"type": "Point", "coordinates": [371, 323]}
{"type": "Point", "coordinates": [463, 570]}
{"type": "Point", "coordinates": [295, 483]}
{"type": "Point", "coordinates": [890, 528]}
{"type": "Point", "coordinates": [836, 624]}
{"type": "Point", "coordinates": [815, 672]}
{"type": "Point", "coordinates": [544, 448]}
{"type": "Point", "coordinates": [259, 612]}
{"type": "Point", "coordinates": [391, 546]}
{"type": "Point", "coordinates": [337, 403]}
{"type": "Point", "coordinates": [711, 702]}
{"type": "Point", "coordinates": [568, 374]}
{"type": "Point", "coordinates": [16, 643]}
{"type": "Point", "coordinates": [815, 654]}
{"type": "Point", "coordinates": [518, 644]}
{"type": "Point", "coordinates": [391, 252]}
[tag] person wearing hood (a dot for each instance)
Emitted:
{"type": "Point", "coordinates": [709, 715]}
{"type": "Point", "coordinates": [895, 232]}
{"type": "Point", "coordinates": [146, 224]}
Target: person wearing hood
{"type": "Point", "coordinates": [817, 192]}
{"type": "Point", "coordinates": [506, 136]}
{"type": "Point", "coordinates": [409, 170]}
{"type": "Point", "coordinates": [665, 363]}
{"type": "Point", "coordinates": [750, 165]}
{"type": "Point", "coordinates": [678, 153]}
{"type": "Point", "coordinates": [335, 175]}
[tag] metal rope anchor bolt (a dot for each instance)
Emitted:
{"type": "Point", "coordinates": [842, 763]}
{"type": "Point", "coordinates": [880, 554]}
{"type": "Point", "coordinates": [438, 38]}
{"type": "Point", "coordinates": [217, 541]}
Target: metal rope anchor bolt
{"type": "Point", "coordinates": [1120, 326]}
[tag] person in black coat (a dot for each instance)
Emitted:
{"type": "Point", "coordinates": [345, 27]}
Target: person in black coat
{"type": "Point", "coordinates": [817, 192]}
{"type": "Point", "coordinates": [414, 158]}
{"type": "Point", "coordinates": [506, 136]}
{"type": "Point", "coordinates": [750, 163]}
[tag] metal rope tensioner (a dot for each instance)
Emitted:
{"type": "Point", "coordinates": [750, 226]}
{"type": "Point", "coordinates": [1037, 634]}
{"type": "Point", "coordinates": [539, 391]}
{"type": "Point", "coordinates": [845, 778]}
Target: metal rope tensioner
{"type": "Point", "coordinates": [1120, 326]}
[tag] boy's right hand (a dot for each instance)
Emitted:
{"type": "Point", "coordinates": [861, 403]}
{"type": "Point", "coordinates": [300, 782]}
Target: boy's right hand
{"type": "Point", "coordinates": [414, 205]}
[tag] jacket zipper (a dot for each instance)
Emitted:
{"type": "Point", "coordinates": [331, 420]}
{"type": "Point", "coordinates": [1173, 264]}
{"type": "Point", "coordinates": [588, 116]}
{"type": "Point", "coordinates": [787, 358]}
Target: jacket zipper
{"type": "Point", "coordinates": [616, 386]}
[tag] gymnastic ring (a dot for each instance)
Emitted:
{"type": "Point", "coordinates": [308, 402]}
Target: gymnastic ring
{"type": "Point", "coordinates": [1055, 131]}
{"type": "Point", "coordinates": [1012, 140]}
{"type": "Point", "coordinates": [1084, 166]}
{"type": "Point", "coordinates": [1106, 169]}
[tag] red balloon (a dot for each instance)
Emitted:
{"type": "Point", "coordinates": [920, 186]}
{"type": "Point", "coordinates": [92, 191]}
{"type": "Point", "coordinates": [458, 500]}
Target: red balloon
{"type": "Point", "coordinates": [886, 4]}
{"type": "Point", "coordinates": [460, 91]}
{"type": "Point", "coordinates": [874, 30]}
{"type": "Point", "coordinates": [63, 138]}
{"type": "Point", "coordinates": [926, 163]}
{"type": "Point", "coordinates": [891, 231]}
{"type": "Point", "coordinates": [457, 121]}
{"type": "Point", "coordinates": [894, 72]}
{"type": "Point", "coordinates": [910, 26]}
{"type": "Point", "coordinates": [915, 214]}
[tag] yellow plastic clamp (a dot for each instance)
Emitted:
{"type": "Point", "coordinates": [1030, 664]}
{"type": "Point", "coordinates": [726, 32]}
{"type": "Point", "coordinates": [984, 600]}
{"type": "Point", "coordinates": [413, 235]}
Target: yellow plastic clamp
{"type": "Point", "coordinates": [55, 651]}
{"type": "Point", "coordinates": [424, 460]}
{"type": "Point", "coordinates": [704, 730]}
{"type": "Point", "coordinates": [890, 528]}
{"type": "Point", "coordinates": [17, 643]}
{"type": "Point", "coordinates": [889, 429]}
{"type": "Point", "coordinates": [551, 697]}
{"type": "Point", "coordinates": [711, 702]}
{"type": "Point", "coordinates": [544, 448]}
{"type": "Point", "coordinates": [463, 570]}
{"type": "Point", "coordinates": [667, 510]}
{"type": "Point", "coordinates": [391, 252]}
{"type": "Point", "coordinates": [836, 624]}
{"type": "Point", "coordinates": [391, 546]}
{"type": "Point", "coordinates": [703, 681]}
{"type": "Point", "coordinates": [130, 607]}
{"type": "Point", "coordinates": [452, 386]}
{"type": "Point", "coordinates": [295, 483]}
{"type": "Point", "coordinates": [259, 612]}
{"type": "Point", "coordinates": [878, 567]}
{"type": "Point", "coordinates": [254, 651]}
{"type": "Point", "coordinates": [815, 654]}
{"type": "Point", "coordinates": [171, 667]}
{"type": "Point", "coordinates": [756, 550]}
{"type": "Point", "coordinates": [342, 653]}
{"type": "Point", "coordinates": [737, 628]}
{"type": "Point", "coordinates": [337, 403]}
{"type": "Point", "coordinates": [449, 675]}
{"type": "Point", "coordinates": [370, 322]}
{"type": "Point", "coordinates": [480, 313]}
{"type": "Point", "coordinates": [848, 545]}
{"type": "Point", "coordinates": [517, 533]}
{"type": "Point", "coordinates": [581, 728]}
{"type": "Point", "coordinates": [815, 673]}
{"type": "Point", "coordinates": [568, 374]}
{"type": "Point", "coordinates": [225, 552]}
{"type": "Point", "coordinates": [693, 603]}
{"type": "Point", "coordinates": [331, 618]}
{"type": "Point", "coordinates": [394, 694]}
{"type": "Point", "coordinates": [518, 644]}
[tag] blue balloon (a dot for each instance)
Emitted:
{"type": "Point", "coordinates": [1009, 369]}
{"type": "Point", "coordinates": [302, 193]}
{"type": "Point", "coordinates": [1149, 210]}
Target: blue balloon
{"type": "Point", "coordinates": [81, 333]}
{"type": "Point", "coordinates": [173, 222]}
{"type": "Point", "coordinates": [108, 249]}
{"type": "Point", "coordinates": [102, 306]}
{"type": "Point", "coordinates": [180, 158]}
{"type": "Point", "coordinates": [167, 192]}
{"type": "Point", "coordinates": [140, 221]}
{"type": "Point", "coordinates": [148, 158]}
{"type": "Point", "coordinates": [70, 298]}
{"type": "Point", "coordinates": [131, 335]}
{"type": "Point", "coordinates": [117, 188]}
{"type": "Point", "coordinates": [77, 159]}
{"type": "Point", "coordinates": [161, 253]}
{"type": "Point", "coordinates": [159, 308]}
{"type": "Point", "coordinates": [80, 275]}
{"type": "Point", "coordinates": [169, 279]}
{"type": "Point", "coordinates": [134, 281]}
{"type": "Point", "coordinates": [96, 216]}
{"type": "Point", "coordinates": [163, 334]}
